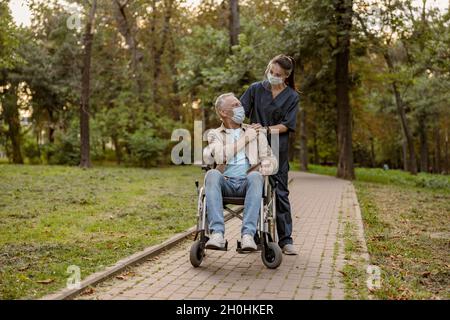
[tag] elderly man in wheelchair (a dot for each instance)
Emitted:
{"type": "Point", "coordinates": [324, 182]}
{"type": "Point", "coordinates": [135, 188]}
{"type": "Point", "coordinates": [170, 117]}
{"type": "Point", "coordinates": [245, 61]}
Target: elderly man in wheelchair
{"type": "Point", "coordinates": [243, 160]}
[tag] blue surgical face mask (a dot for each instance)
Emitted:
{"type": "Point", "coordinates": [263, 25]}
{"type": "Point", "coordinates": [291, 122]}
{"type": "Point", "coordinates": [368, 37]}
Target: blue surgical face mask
{"type": "Point", "coordinates": [238, 115]}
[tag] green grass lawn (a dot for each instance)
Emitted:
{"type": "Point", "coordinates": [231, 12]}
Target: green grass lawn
{"type": "Point", "coordinates": [407, 230]}
{"type": "Point", "coordinates": [52, 217]}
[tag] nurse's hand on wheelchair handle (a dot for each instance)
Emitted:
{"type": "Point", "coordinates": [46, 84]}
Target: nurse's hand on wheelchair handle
{"type": "Point", "coordinates": [259, 128]}
{"type": "Point", "coordinates": [256, 126]}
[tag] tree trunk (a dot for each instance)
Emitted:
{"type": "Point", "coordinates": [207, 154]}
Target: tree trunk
{"type": "Point", "coordinates": [303, 141]}
{"type": "Point", "coordinates": [372, 152]}
{"type": "Point", "coordinates": [153, 45]}
{"type": "Point", "coordinates": [176, 101]}
{"type": "Point", "coordinates": [405, 154]}
{"type": "Point", "coordinates": [117, 149]}
{"type": "Point", "coordinates": [234, 23]}
{"type": "Point", "coordinates": [315, 149]}
{"type": "Point", "coordinates": [223, 15]}
{"type": "Point", "coordinates": [12, 118]}
{"type": "Point", "coordinates": [85, 89]}
{"type": "Point", "coordinates": [446, 160]}
{"type": "Point", "coordinates": [344, 14]}
{"type": "Point", "coordinates": [125, 28]}
{"type": "Point", "coordinates": [437, 150]}
{"type": "Point", "coordinates": [38, 146]}
{"type": "Point", "coordinates": [160, 51]}
{"type": "Point", "coordinates": [423, 145]}
{"type": "Point", "coordinates": [412, 162]}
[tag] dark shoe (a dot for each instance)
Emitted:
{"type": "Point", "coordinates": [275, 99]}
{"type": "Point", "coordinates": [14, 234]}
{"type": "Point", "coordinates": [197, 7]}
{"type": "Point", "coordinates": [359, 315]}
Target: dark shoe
{"type": "Point", "coordinates": [289, 249]}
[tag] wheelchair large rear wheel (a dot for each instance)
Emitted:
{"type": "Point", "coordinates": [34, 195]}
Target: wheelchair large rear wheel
{"type": "Point", "coordinates": [271, 255]}
{"type": "Point", "coordinates": [197, 253]}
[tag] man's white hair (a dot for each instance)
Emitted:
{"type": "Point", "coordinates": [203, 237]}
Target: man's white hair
{"type": "Point", "coordinates": [219, 100]}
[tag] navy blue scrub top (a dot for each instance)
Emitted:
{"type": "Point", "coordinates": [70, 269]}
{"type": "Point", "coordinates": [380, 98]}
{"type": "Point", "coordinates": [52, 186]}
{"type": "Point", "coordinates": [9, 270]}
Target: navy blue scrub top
{"type": "Point", "coordinates": [260, 107]}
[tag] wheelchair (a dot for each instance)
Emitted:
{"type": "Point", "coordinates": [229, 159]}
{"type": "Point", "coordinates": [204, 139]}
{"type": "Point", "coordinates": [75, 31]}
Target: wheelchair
{"type": "Point", "coordinates": [266, 236]}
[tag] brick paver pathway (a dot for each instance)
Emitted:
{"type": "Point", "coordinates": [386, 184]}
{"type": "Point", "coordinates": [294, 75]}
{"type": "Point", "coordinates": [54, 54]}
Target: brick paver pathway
{"type": "Point", "coordinates": [313, 274]}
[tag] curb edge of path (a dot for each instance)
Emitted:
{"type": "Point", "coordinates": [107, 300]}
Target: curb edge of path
{"type": "Point", "coordinates": [123, 264]}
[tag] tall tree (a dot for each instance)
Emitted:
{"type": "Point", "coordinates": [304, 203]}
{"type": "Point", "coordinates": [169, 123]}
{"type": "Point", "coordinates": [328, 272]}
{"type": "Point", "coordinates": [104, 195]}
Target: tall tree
{"type": "Point", "coordinates": [390, 24]}
{"type": "Point", "coordinates": [85, 87]}
{"type": "Point", "coordinates": [10, 113]}
{"type": "Point", "coordinates": [158, 53]}
{"type": "Point", "coordinates": [127, 29]}
{"type": "Point", "coordinates": [9, 82]}
{"type": "Point", "coordinates": [234, 23]}
{"type": "Point", "coordinates": [409, 140]}
{"type": "Point", "coordinates": [344, 16]}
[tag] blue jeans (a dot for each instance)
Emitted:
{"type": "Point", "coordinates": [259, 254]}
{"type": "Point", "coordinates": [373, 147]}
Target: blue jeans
{"type": "Point", "coordinates": [217, 186]}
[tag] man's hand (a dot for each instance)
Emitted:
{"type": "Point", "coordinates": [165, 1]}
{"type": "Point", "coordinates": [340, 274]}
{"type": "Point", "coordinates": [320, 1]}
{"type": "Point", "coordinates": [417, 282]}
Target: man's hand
{"type": "Point", "coordinates": [266, 168]}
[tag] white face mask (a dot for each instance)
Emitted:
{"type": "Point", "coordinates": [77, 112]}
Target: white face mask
{"type": "Point", "coordinates": [238, 115]}
{"type": "Point", "coordinates": [274, 80]}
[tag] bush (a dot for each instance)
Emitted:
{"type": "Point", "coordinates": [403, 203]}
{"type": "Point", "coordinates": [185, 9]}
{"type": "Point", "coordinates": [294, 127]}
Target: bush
{"type": "Point", "coordinates": [147, 150]}
{"type": "Point", "coordinates": [433, 183]}
{"type": "Point", "coordinates": [65, 150]}
{"type": "Point", "coordinates": [31, 150]}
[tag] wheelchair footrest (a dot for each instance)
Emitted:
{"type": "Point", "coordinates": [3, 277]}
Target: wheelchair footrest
{"type": "Point", "coordinates": [240, 250]}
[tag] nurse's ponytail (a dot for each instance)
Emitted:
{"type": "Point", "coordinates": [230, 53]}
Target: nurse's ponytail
{"type": "Point", "coordinates": [288, 64]}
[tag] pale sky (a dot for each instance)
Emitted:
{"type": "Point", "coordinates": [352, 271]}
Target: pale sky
{"type": "Point", "coordinates": [22, 15]}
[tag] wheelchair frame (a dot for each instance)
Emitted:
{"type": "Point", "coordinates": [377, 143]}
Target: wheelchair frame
{"type": "Point", "coordinates": [266, 236]}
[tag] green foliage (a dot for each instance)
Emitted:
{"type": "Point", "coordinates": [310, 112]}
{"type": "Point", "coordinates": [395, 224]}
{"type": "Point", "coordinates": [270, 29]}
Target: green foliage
{"type": "Point", "coordinates": [31, 150]}
{"type": "Point", "coordinates": [185, 56]}
{"type": "Point", "coordinates": [205, 76]}
{"type": "Point", "coordinates": [8, 37]}
{"type": "Point", "coordinates": [438, 183]}
{"type": "Point", "coordinates": [146, 148]}
{"type": "Point", "coordinates": [65, 149]}
{"type": "Point", "coordinates": [392, 177]}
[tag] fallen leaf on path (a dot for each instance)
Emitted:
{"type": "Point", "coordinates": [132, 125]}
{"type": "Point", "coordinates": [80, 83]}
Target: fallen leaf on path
{"type": "Point", "coordinates": [88, 291]}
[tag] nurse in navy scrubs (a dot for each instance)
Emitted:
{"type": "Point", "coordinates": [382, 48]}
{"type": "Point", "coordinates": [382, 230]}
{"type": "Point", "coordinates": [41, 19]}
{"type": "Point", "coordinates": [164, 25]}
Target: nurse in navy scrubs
{"type": "Point", "coordinates": [272, 104]}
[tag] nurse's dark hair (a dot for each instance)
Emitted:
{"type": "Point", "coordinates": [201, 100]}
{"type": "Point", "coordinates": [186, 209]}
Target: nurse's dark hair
{"type": "Point", "coordinates": [288, 64]}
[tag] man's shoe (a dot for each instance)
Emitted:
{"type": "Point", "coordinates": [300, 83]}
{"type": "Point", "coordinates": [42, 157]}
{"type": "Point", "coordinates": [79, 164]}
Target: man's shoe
{"type": "Point", "coordinates": [216, 241]}
{"type": "Point", "coordinates": [289, 249]}
{"type": "Point", "coordinates": [248, 243]}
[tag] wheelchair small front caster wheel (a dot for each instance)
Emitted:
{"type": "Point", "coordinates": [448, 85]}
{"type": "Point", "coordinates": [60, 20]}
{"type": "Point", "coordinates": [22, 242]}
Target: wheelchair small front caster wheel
{"type": "Point", "coordinates": [197, 253]}
{"type": "Point", "coordinates": [271, 255]}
